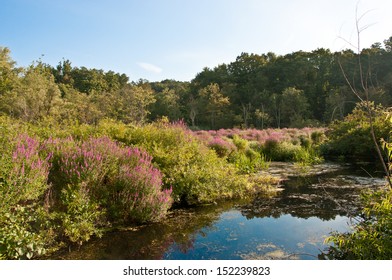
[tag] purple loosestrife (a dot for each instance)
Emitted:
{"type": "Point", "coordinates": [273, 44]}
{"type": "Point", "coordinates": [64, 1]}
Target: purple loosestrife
{"type": "Point", "coordinates": [261, 136]}
{"type": "Point", "coordinates": [223, 147]}
{"type": "Point", "coordinates": [27, 179]}
{"type": "Point", "coordinates": [122, 179]}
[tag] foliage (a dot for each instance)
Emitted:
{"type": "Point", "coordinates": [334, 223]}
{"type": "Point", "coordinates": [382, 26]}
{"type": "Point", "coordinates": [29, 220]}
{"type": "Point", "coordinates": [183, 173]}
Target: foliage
{"type": "Point", "coordinates": [62, 189]}
{"type": "Point", "coordinates": [81, 218]}
{"type": "Point", "coordinates": [351, 138]}
{"type": "Point", "coordinates": [119, 179]}
{"type": "Point", "coordinates": [22, 232]}
{"type": "Point", "coordinates": [251, 150]}
{"type": "Point", "coordinates": [370, 237]}
{"type": "Point", "coordinates": [24, 175]}
{"type": "Point", "coordinates": [222, 147]}
{"type": "Point", "coordinates": [214, 101]}
{"type": "Point", "coordinates": [196, 173]}
{"type": "Point", "coordinates": [35, 96]}
{"type": "Point", "coordinates": [23, 183]}
{"type": "Point", "coordinates": [298, 89]}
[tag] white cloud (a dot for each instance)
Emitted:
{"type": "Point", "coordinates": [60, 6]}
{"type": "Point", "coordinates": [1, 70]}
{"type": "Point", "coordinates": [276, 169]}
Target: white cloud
{"type": "Point", "coordinates": [150, 67]}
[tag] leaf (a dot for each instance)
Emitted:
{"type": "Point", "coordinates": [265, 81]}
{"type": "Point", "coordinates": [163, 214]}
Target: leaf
{"type": "Point", "coordinates": [29, 255]}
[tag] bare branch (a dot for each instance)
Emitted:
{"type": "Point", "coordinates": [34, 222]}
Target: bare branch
{"type": "Point", "coordinates": [348, 82]}
{"type": "Point", "coordinates": [364, 85]}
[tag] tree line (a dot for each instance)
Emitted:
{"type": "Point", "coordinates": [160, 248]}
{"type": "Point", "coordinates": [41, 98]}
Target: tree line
{"type": "Point", "coordinates": [256, 90]}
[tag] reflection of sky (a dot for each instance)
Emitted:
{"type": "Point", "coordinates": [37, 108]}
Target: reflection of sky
{"type": "Point", "coordinates": [236, 237]}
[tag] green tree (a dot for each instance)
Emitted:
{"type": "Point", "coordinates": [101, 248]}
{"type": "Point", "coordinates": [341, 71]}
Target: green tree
{"type": "Point", "coordinates": [294, 106]}
{"type": "Point", "coordinates": [35, 97]}
{"type": "Point", "coordinates": [133, 103]}
{"type": "Point", "coordinates": [167, 104]}
{"type": "Point", "coordinates": [79, 106]}
{"type": "Point", "coordinates": [8, 71]}
{"type": "Point", "coordinates": [215, 102]}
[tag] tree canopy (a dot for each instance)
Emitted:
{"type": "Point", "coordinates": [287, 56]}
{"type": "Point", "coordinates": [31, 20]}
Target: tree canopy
{"type": "Point", "coordinates": [256, 90]}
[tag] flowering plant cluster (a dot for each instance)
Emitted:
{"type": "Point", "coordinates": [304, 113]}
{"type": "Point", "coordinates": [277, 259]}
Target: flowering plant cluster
{"type": "Point", "coordinates": [222, 146]}
{"type": "Point", "coordinates": [120, 179]}
{"type": "Point", "coordinates": [62, 189]}
{"type": "Point", "coordinates": [27, 174]}
{"type": "Point", "coordinates": [279, 135]}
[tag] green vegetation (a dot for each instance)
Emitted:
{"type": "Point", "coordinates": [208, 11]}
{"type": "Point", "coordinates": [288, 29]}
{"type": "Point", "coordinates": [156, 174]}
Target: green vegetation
{"type": "Point", "coordinates": [350, 139]}
{"type": "Point", "coordinates": [65, 190]}
{"type": "Point", "coordinates": [370, 237]}
{"type": "Point", "coordinates": [196, 173]}
{"type": "Point", "coordinates": [301, 89]}
{"type": "Point", "coordinates": [63, 183]}
{"type": "Point", "coordinates": [84, 150]}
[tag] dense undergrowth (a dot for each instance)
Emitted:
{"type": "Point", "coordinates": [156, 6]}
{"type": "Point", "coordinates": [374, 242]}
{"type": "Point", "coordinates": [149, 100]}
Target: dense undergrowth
{"type": "Point", "coordinates": [371, 234]}
{"type": "Point", "coordinates": [62, 183]}
{"type": "Point", "coordinates": [350, 139]}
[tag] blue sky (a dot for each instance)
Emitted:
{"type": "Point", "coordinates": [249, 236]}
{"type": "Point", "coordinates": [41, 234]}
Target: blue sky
{"type": "Point", "coordinates": [175, 39]}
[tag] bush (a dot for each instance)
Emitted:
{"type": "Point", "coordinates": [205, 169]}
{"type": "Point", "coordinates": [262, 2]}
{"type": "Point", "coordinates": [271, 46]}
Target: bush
{"type": "Point", "coordinates": [371, 237]}
{"type": "Point", "coordinates": [282, 151]}
{"type": "Point", "coordinates": [119, 179]}
{"type": "Point", "coordinates": [223, 147]}
{"type": "Point", "coordinates": [81, 217]}
{"type": "Point", "coordinates": [195, 172]}
{"type": "Point", "coordinates": [308, 156]}
{"type": "Point", "coordinates": [72, 188]}
{"type": "Point", "coordinates": [248, 161]}
{"type": "Point", "coordinates": [21, 236]}
{"type": "Point", "coordinates": [23, 183]}
{"type": "Point", "coordinates": [240, 143]}
{"type": "Point", "coordinates": [24, 172]}
{"type": "Point", "coordinates": [351, 138]}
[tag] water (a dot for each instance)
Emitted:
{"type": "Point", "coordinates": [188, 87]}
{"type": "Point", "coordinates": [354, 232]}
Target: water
{"type": "Point", "coordinates": [236, 237]}
{"type": "Point", "coordinates": [290, 225]}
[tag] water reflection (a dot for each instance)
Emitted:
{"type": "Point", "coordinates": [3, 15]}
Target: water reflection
{"type": "Point", "coordinates": [328, 191]}
{"type": "Point", "coordinates": [292, 225]}
{"type": "Point", "coordinates": [151, 241]}
{"type": "Point", "coordinates": [237, 237]}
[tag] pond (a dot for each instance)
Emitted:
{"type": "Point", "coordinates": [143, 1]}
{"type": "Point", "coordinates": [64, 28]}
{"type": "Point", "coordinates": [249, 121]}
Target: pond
{"type": "Point", "coordinates": [290, 225]}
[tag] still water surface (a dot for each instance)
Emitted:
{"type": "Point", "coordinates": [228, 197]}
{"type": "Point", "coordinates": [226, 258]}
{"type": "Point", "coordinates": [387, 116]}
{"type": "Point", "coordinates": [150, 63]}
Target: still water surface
{"type": "Point", "coordinates": [290, 225]}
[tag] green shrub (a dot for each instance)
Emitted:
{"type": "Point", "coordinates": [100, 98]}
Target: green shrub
{"type": "Point", "coordinates": [248, 161]}
{"type": "Point", "coordinates": [305, 141]}
{"type": "Point", "coordinates": [195, 172]}
{"type": "Point", "coordinates": [317, 137]}
{"type": "Point", "coordinates": [351, 138]}
{"type": "Point", "coordinates": [281, 151]}
{"type": "Point", "coordinates": [82, 217]}
{"type": "Point", "coordinates": [23, 183]}
{"type": "Point", "coordinates": [371, 237]}
{"type": "Point", "coordinates": [307, 156]}
{"type": "Point", "coordinates": [119, 179]}
{"type": "Point", "coordinates": [22, 234]}
{"type": "Point", "coordinates": [240, 143]}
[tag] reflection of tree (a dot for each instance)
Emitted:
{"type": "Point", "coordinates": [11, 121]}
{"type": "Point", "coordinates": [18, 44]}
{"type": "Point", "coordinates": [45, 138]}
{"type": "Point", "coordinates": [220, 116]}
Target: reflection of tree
{"type": "Point", "coordinates": [151, 242]}
{"type": "Point", "coordinates": [324, 197]}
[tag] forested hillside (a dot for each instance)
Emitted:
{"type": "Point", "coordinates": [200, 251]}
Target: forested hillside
{"type": "Point", "coordinates": [256, 90]}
